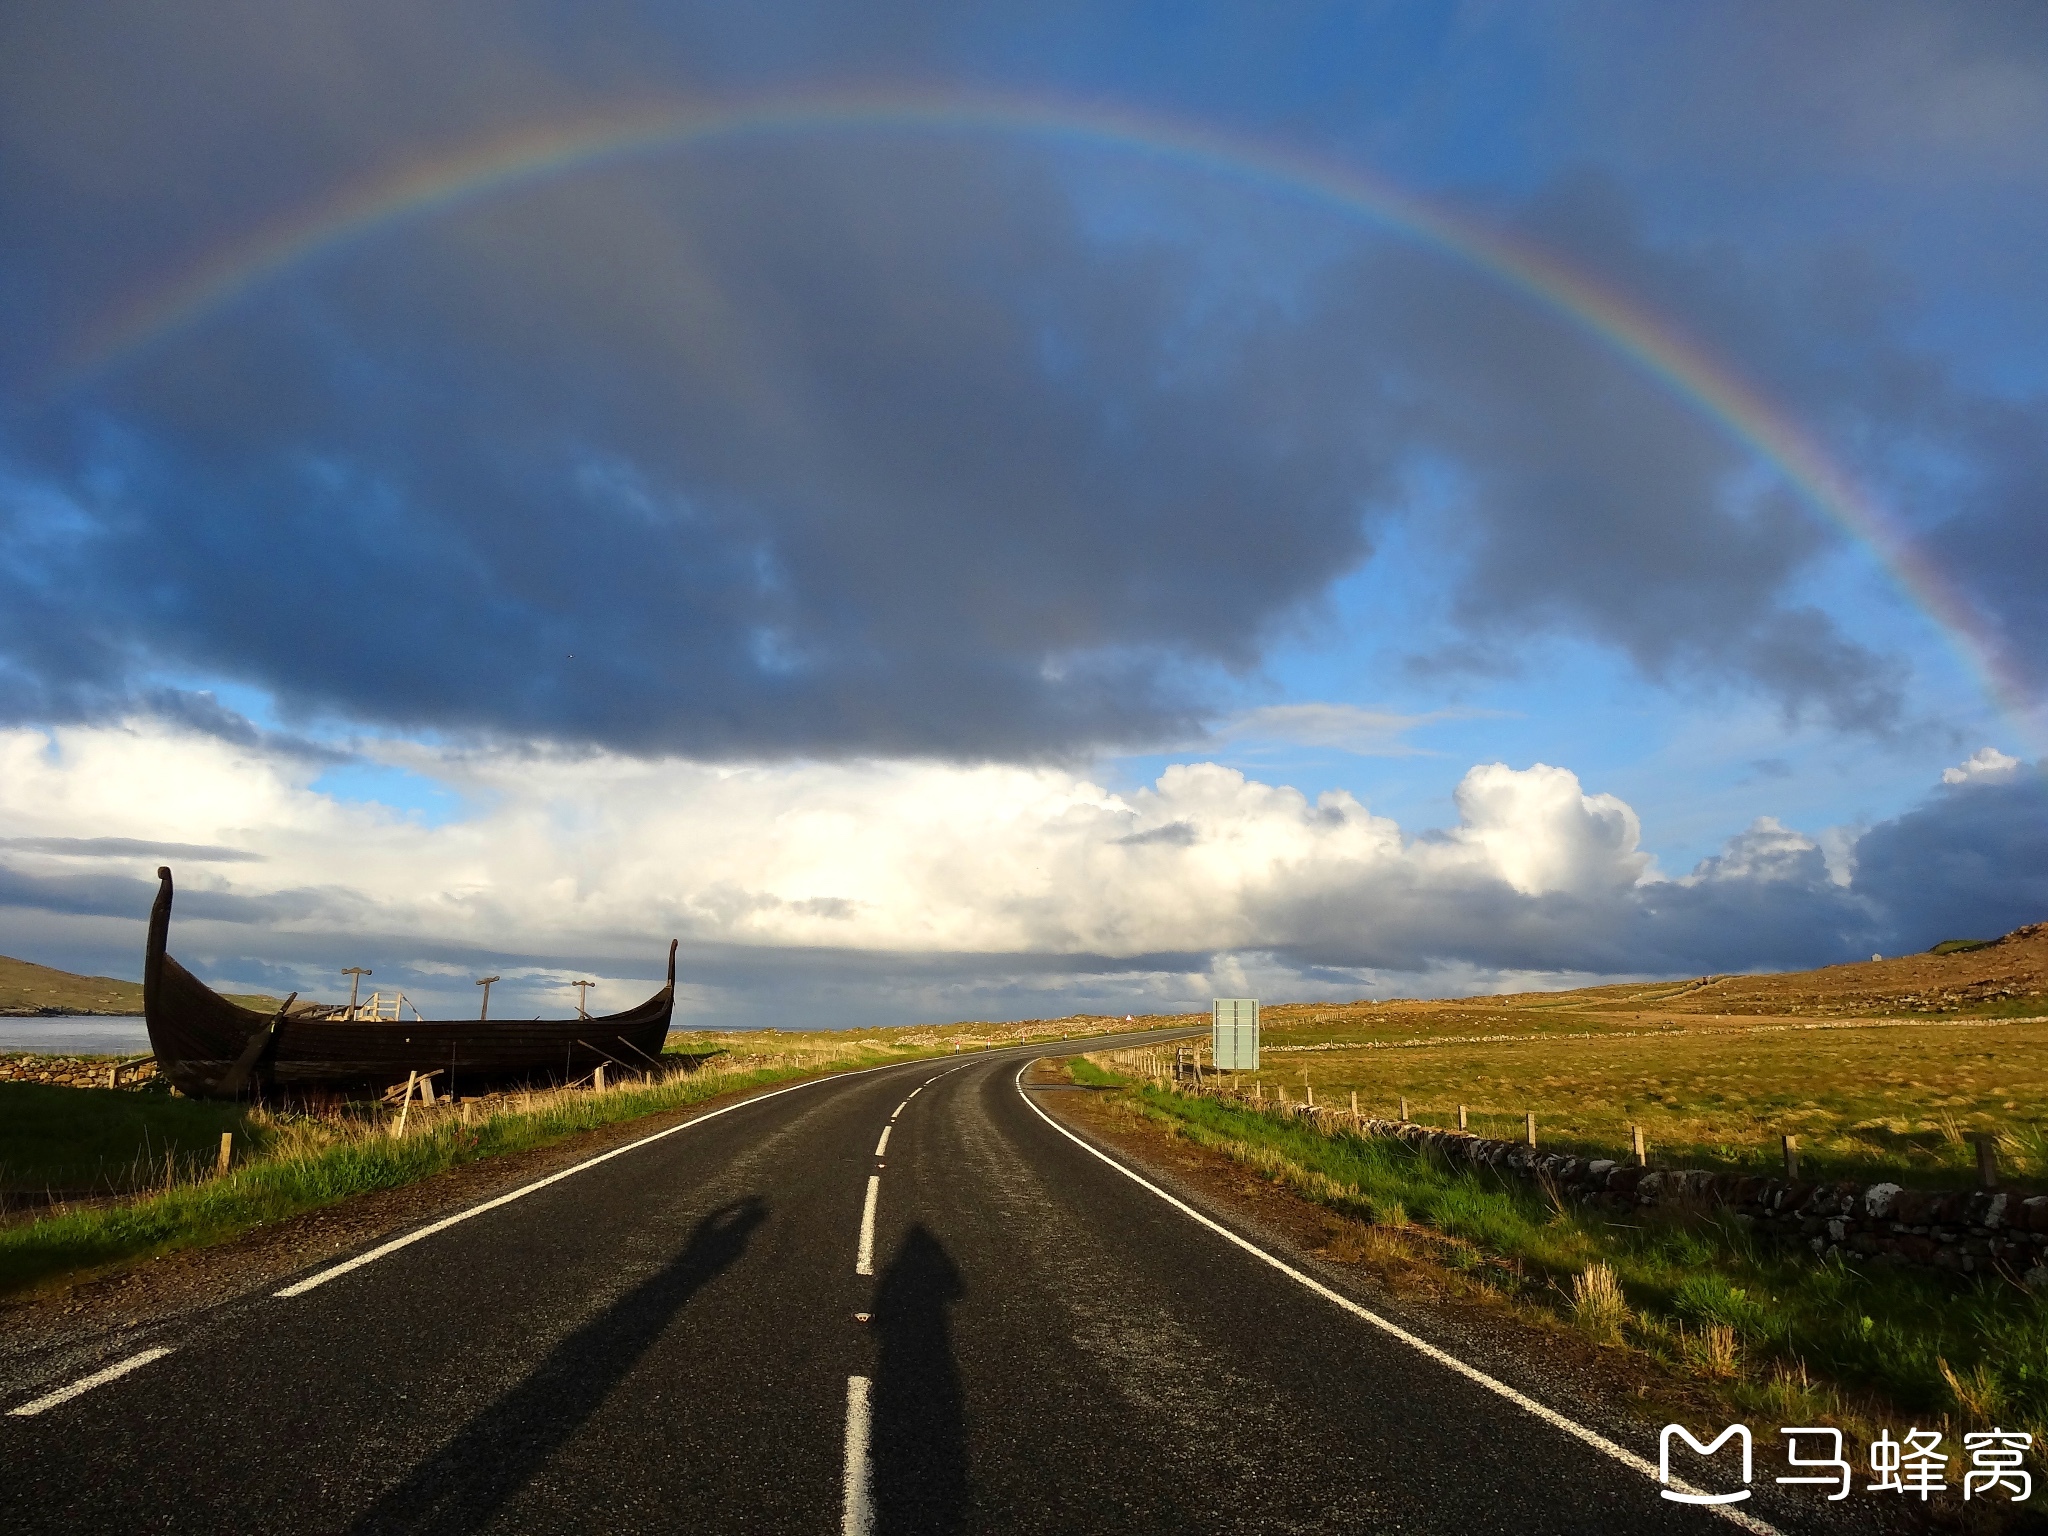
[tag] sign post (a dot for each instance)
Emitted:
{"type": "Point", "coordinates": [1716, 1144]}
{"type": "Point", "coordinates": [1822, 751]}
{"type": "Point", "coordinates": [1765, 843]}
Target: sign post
{"type": "Point", "coordinates": [1234, 1034]}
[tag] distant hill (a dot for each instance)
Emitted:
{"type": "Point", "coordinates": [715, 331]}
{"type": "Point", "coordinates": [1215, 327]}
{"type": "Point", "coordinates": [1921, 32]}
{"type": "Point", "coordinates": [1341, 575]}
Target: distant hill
{"type": "Point", "coordinates": [2007, 975]}
{"type": "Point", "coordinates": [28, 989]}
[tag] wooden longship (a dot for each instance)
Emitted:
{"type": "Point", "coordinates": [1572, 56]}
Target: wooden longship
{"type": "Point", "coordinates": [211, 1048]}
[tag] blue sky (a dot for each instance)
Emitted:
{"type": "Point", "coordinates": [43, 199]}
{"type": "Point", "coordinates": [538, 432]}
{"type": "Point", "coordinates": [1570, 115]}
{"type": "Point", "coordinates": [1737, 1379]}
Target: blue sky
{"type": "Point", "coordinates": [1139, 577]}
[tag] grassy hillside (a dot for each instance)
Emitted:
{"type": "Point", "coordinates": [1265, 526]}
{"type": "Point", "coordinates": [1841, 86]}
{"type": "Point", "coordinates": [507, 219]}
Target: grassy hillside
{"type": "Point", "coordinates": [26, 987]}
{"type": "Point", "coordinates": [1882, 1069]}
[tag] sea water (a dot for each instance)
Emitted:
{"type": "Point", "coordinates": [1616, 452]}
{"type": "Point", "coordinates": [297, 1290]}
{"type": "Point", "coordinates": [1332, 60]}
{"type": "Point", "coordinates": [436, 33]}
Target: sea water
{"type": "Point", "coordinates": [75, 1034]}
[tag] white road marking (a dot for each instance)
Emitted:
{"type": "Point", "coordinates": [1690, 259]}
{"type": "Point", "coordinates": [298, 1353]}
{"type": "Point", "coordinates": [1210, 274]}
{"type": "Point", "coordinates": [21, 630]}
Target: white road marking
{"type": "Point", "coordinates": [78, 1388]}
{"type": "Point", "coordinates": [335, 1273]}
{"type": "Point", "coordinates": [882, 1145]}
{"type": "Point", "coordinates": [899, 1109]}
{"type": "Point", "coordinates": [864, 1260]}
{"type": "Point", "coordinates": [857, 1516]}
{"type": "Point", "coordinates": [1550, 1416]}
{"type": "Point", "coordinates": [325, 1275]}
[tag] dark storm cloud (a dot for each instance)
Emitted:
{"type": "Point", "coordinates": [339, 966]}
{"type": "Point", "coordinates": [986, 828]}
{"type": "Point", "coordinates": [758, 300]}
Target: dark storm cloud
{"type": "Point", "coordinates": [871, 444]}
{"type": "Point", "coordinates": [129, 896]}
{"type": "Point", "coordinates": [1588, 500]}
{"type": "Point", "coordinates": [130, 848]}
{"type": "Point", "coordinates": [1970, 863]}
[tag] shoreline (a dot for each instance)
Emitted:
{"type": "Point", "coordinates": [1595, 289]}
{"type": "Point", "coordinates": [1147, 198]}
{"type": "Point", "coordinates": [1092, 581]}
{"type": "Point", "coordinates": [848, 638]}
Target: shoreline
{"type": "Point", "coordinates": [63, 1013]}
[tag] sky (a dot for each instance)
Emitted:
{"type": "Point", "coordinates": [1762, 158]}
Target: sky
{"type": "Point", "coordinates": [1010, 511]}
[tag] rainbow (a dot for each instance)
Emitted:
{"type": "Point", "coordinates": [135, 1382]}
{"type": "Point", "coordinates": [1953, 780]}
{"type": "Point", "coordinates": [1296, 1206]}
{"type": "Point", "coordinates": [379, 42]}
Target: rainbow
{"type": "Point", "coordinates": [475, 171]}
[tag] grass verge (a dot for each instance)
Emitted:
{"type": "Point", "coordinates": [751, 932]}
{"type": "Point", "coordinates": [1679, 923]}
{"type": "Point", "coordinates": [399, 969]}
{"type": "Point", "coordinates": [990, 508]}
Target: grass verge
{"type": "Point", "coordinates": [1089, 1075]}
{"type": "Point", "coordinates": [1781, 1336]}
{"type": "Point", "coordinates": [107, 1140]}
{"type": "Point", "coordinates": [308, 1163]}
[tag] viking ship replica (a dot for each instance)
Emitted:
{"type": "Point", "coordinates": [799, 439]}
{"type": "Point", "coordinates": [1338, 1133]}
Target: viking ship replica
{"type": "Point", "coordinates": [210, 1048]}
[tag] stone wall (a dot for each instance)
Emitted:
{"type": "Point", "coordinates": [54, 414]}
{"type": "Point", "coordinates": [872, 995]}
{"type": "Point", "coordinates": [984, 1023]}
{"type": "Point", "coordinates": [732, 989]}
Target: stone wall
{"type": "Point", "coordinates": [74, 1071]}
{"type": "Point", "coordinates": [1971, 1232]}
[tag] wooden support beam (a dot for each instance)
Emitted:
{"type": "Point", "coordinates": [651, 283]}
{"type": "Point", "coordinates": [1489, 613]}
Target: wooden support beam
{"type": "Point", "coordinates": [405, 1106]}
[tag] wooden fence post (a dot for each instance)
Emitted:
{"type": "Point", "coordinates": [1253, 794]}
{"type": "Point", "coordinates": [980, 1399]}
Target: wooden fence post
{"type": "Point", "coordinates": [1404, 1111]}
{"type": "Point", "coordinates": [1636, 1150]}
{"type": "Point", "coordinates": [1987, 1159]}
{"type": "Point", "coordinates": [1354, 1106]}
{"type": "Point", "coordinates": [1791, 1157]}
{"type": "Point", "coordinates": [1461, 1119]}
{"type": "Point", "coordinates": [1529, 1126]}
{"type": "Point", "coordinates": [597, 1079]}
{"type": "Point", "coordinates": [114, 1075]}
{"type": "Point", "coordinates": [227, 1150]}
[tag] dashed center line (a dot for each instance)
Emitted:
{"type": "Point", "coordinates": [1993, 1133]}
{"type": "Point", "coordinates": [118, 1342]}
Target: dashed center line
{"type": "Point", "coordinates": [113, 1372]}
{"type": "Point", "coordinates": [883, 1145]}
{"type": "Point", "coordinates": [381, 1251]}
{"type": "Point", "coordinates": [856, 1506]}
{"type": "Point", "coordinates": [864, 1258]}
{"type": "Point", "coordinates": [899, 1109]}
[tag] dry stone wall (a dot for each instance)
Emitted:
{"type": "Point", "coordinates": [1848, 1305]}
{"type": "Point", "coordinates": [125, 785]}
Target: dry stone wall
{"type": "Point", "coordinates": [75, 1071]}
{"type": "Point", "coordinates": [1974, 1232]}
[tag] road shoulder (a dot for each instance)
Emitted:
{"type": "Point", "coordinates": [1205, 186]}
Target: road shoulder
{"type": "Point", "coordinates": [1621, 1395]}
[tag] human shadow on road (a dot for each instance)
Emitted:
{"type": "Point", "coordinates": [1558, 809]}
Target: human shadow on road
{"type": "Point", "coordinates": [920, 1409]}
{"type": "Point", "coordinates": [462, 1485]}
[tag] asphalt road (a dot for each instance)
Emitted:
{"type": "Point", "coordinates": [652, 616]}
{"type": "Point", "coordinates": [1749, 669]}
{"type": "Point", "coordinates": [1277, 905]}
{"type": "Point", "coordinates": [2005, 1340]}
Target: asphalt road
{"type": "Point", "coordinates": [680, 1337]}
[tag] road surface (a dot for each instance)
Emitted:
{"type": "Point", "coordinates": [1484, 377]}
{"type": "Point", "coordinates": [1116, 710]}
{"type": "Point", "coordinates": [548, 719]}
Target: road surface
{"type": "Point", "coordinates": [897, 1301]}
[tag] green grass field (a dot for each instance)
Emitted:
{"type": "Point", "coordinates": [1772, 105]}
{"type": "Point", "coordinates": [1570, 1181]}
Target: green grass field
{"type": "Point", "coordinates": [102, 1140]}
{"type": "Point", "coordinates": [1866, 1101]}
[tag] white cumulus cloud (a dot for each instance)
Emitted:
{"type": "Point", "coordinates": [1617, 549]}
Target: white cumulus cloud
{"type": "Point", "coordinates": [1984, 763]}
{"type": "Point", "coordinates": [871, 881]}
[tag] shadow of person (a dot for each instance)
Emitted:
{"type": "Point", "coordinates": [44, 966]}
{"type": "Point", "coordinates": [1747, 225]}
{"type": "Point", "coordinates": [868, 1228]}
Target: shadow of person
{"type": "Point", "coordinates": [920, 1409]}
{"type": "Point", "coordinates": [463, 1484]}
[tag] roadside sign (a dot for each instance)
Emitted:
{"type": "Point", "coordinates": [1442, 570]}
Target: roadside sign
{"type": "Point", "coordinates": [1234, 1034]}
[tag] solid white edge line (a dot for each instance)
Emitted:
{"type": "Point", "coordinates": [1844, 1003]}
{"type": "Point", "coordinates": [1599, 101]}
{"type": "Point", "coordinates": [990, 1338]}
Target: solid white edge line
{"type": "Point", "coordinates": [301, 1287]}
{"type": "Point", "coordinates": [882, 1145]}
{"type": "Point", "coordinates": [85, 1384]}
{"type": "Point", "coordinates": [864, 1258]}
{"type": "Point", "coordinates": [1550, 1416]}
{"type": "Point", "coordinates": [856, 1517]}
